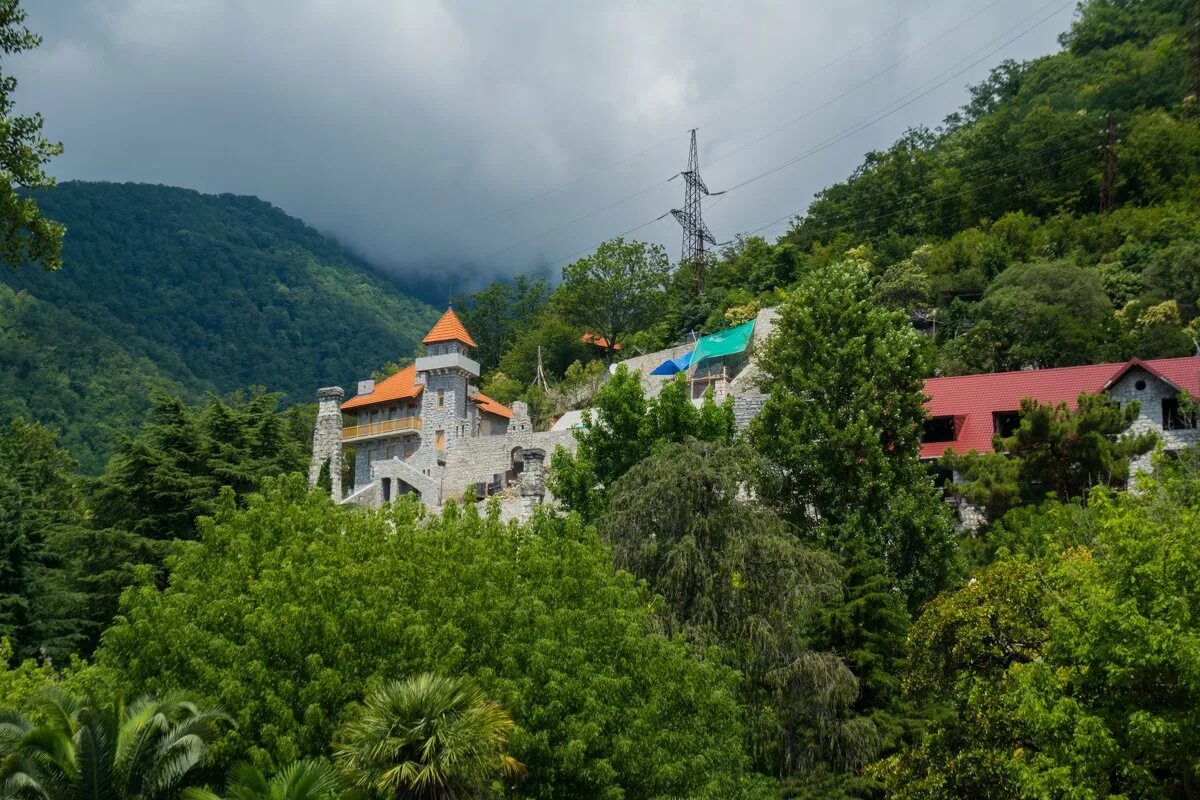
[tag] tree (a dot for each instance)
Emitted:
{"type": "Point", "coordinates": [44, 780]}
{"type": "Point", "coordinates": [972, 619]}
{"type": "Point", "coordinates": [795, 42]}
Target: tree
{"type": "Point", "coordinates": [1172, 274]}
{"type": "Point", "coordinates": [841, 427]}
{"type": "Point", "coordinates": [159, 482]}
{"type": "Point", "coordinates": [906, 285]}
{"type": "Point", "coordinates": [301, 780]}
{"type": "Point", "coordinates": [1064, 675]}
{"type": "Point", "coordinates": [1056, 452]}
{"type": "Point", "coordinates": [28, 236]}
{"type": "Point", "coordinates": [147, 749]}
{"type": "Point", "coordinates": [499, 313]}
{"type": "Point", "coordinates": [561, 345]}
{"type": "Point", "coordinates": [622, 428]}
{"type": "Point", "coordinates": [732, 576]}
{"type": "Point", "coordinates": [272, 593]}
{"type": "Point", "coordinates": [616, 290]}
{"type": "Point", "coordinates": [42, 512]}
{"type": "Point", "coordinates": [1053, 315]}
{"type": "Point", "coordinates": [428, 736]}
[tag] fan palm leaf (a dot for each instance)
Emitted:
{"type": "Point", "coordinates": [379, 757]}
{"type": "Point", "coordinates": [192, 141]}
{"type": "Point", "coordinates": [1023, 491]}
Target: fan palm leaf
{"type": "Point", "coordinates": [429, 736]}
{"type": "Point", "coordinates": [143, 750]}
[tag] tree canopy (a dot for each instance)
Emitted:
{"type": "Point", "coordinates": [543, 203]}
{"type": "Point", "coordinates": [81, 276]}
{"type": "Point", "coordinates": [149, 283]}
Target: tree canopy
{"type": "Point", "coordinates": [28, 236]}
{"type": "Point", "coordinates": [841, 428]}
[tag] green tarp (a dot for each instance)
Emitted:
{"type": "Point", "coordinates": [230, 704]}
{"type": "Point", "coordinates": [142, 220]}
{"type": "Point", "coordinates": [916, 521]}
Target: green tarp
{"type": "Point", "coordinates": [723, 343]}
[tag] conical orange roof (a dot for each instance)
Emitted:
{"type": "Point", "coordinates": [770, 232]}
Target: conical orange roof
{"type": "Point", "coordinates": [449, 329]}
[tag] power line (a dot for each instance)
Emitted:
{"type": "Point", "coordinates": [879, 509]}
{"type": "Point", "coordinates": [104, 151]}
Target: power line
{"type": "Point", "coordinates": [846, 134]}
{"type": "Point", "coordinates": [919, 93]}
{"type": "Point", "coordinates": [1053, 143]}
{"type": "Point", "coordinates": [848, 226]}
{"type": "Point", "coordinates": [857, 86]}
{"type": "Point", "coordinates": [660, 142]}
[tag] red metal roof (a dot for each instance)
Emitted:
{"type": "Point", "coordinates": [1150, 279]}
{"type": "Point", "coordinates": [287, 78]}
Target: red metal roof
{"type": "Point", "coordinates": [449, 329]}
{"type": "Point", "coordinates": [399, 386]}
{"type": "Point", "coordinates": [974, 398]}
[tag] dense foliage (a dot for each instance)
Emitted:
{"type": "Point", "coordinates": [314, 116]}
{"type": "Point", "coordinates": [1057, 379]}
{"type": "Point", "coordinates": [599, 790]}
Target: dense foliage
{"type": "Point", "coordinates": [427, 737]}
{"type": "Point", "coordinates": [622, 428]}
{"type": "Point", "coordinates": [1069, 675]}
{"type": "Point", "coordinates": [147, 749]}
{"type": "Point", "coordinates": [733, 576]}
{"type": "Point", "coordinates": [284, 612]}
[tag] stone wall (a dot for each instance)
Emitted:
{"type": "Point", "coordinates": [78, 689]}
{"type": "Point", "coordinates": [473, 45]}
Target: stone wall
{"type": "Point", "coordinates": [1150, 397]}
{"type": "Point", "coordinates": [478, 460]}
{"type": "Point", "coordinates": [746, 407]}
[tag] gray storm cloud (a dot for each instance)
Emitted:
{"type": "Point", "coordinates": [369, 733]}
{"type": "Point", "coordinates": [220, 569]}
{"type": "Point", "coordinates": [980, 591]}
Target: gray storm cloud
{"type": "Point", "coordinates": [490, 138]}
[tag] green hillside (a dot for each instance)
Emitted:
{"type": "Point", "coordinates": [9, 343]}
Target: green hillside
{"type": "Point", "coordinates": [193, 293]}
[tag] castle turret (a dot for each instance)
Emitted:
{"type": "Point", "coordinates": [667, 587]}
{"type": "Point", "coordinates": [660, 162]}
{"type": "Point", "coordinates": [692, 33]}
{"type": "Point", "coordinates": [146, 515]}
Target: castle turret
{"type": "Point", "coordinates": [327, 439]}
{"type": "Point", "coordinates": [446, 370]}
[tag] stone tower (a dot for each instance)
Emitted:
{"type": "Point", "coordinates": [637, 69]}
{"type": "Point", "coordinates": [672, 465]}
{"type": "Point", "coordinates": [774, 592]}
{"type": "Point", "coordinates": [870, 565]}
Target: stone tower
{"type": "Point", "coordinates": [445, 370]}
{"type": "Point", "coordinates": [327, 439]}
{"type": "Point", "coordinates": [532, 482]}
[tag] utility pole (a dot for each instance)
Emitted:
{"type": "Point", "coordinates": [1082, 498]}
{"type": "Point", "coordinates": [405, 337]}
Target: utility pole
{"type": "Point", "coordinates": [1108, 192]}
{"type": "Point", "coordinates": [695, 233]}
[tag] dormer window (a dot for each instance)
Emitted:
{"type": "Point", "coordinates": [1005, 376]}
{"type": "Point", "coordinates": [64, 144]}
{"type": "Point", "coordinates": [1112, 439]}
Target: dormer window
{"type": "Point", "coordinates": [939, 429]}
{"type": "Point", "coordinates": [1005, 423]}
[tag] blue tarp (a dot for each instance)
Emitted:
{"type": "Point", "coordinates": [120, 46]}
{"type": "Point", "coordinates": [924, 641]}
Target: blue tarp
{"type": "Point", "coordinates": [674, 365]}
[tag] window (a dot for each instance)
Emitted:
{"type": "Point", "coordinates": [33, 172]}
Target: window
{"type": "Point", "coordinates": [391, 451]}
{"type": "Point", "coordinates": [1005, 423]}
{"type": "Point", "coordinates": [387, 490]}
{"type": "Point", "coordinates": [939, 429]}
{"type": "Point", "coordinates": [1175, 418]}
{"type": "Point", "coordinates": [440, 440]}
{"type": "Point", "coordinates": [441, 397]}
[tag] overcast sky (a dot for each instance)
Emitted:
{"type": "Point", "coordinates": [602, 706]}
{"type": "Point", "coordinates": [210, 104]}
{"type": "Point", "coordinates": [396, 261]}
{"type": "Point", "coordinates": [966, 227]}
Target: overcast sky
{"type": "Point", "coordinates": [403, 127]}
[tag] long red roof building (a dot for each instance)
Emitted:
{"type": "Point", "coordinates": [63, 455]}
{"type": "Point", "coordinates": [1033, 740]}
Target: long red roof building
{"type": "Point", "coordinates": [977, 405]}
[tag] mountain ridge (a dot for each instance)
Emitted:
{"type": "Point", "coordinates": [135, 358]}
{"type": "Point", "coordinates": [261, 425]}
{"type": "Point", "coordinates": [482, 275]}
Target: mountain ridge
{"type": "Point", "coordinates": [167, 287]}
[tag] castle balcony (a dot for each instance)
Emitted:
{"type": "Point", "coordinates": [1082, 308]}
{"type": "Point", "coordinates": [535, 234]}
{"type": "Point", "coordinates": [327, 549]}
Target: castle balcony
{"type": "Point", "coordinates": [448, 361]}
{"type": "Point", "coordinates": [388, 427]}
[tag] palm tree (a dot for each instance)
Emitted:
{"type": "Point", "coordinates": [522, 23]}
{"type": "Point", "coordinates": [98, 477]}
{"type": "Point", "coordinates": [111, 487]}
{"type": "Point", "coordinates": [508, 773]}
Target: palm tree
{"type": "Point", "coordinates": [302, 780]}
{"type": "Point", "coordinates": [427, 737]}
{"type": "Point", "coordinates": [143, 750]}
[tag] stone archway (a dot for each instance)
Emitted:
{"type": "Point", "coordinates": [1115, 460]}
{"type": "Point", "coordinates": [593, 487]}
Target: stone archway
{"type": "Point", "coordinates": [403, 478]}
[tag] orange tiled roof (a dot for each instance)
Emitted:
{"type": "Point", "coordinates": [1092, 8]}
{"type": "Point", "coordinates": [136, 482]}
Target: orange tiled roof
{"type": "Point", "coordinates": [491, 406]}
{"type": "Point", "coordinates": [449, 329]}
{"type": "Point", "coordinates": [400, 386]}
{"type": "Point", "coordinates": [599, 341]}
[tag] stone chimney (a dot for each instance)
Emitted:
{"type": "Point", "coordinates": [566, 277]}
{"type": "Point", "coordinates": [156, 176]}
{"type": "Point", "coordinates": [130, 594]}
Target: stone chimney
{"type": "Point", "coordinates": [532, 481]}
{"type": "Point", "coordinates": [327, 439]}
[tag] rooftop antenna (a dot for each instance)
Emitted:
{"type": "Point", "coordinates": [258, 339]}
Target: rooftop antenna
{"type": "Point", "coordinates": [695, 233]}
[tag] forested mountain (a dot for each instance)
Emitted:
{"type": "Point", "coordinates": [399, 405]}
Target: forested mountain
{"type": "Point", "coordinates": [169, 288]}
